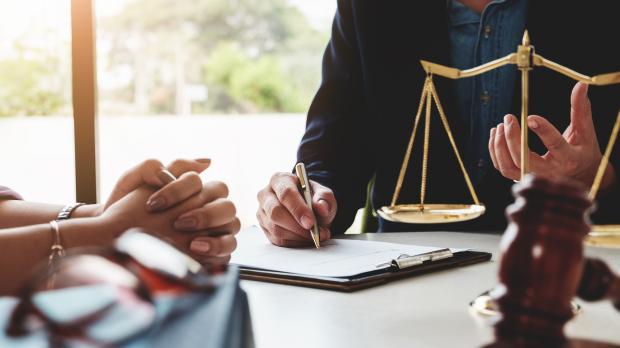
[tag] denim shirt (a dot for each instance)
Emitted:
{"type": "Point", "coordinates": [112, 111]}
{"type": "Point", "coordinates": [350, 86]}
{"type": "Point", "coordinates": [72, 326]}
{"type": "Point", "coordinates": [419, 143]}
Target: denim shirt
{"type": "Point", "coordinates": [482, 101]}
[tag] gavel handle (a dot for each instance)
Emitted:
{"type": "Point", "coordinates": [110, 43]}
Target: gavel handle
{"type": "Point", "coordinates": [598, 282]}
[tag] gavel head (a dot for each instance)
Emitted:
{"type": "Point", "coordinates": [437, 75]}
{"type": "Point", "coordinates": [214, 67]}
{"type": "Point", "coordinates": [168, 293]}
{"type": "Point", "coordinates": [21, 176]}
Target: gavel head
{"type": "Point", "coordinates": [541, 260]}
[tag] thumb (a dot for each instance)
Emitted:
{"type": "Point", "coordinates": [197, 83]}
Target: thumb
{"type": "Point", "coordinates": [145, 173]}
{"type": "Point", "coordinates": [182, 166]}
{"type": "Point", "coordinates": [581, 110]}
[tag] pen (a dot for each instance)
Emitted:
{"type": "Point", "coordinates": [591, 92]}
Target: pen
{"type": "Point", "coordinates": [300, 169]}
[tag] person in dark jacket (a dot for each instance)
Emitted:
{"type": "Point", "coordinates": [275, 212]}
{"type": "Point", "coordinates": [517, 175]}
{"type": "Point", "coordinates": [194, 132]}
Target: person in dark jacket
{"type": "Point", "coordinates": [361, 118]}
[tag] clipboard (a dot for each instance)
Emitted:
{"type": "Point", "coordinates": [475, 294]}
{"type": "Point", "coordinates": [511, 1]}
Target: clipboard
{"type": "Point", "coordinates": [365, 280]}
{"type": "Point", "coordinates": [343, 264]}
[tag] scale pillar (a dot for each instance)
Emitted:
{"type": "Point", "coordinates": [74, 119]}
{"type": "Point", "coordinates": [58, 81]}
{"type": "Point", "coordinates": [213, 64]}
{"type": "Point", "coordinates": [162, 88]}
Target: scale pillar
{"type": "Point", "coordinates": [525, 52]}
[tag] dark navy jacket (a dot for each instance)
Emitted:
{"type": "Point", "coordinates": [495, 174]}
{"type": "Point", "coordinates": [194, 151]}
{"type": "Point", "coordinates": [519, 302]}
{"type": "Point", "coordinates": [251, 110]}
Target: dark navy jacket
{"type": "Point", "coordinates": [362, 115]}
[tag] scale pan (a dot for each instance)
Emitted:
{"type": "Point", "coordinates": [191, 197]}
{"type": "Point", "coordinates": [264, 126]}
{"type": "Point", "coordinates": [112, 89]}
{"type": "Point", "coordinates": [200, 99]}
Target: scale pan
{"type": "Point", "coordinates": [432, 213]}
{"type": "Point", "coordinates": [604, 236]}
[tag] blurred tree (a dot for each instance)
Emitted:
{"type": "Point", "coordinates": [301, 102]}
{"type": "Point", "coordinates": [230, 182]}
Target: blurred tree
{"type": "Point", "coordinates": [30, 85]}
{"type": "Point", "coordinates": [253, 55]}
{"type": "Point", "coordinates": [250, 85]}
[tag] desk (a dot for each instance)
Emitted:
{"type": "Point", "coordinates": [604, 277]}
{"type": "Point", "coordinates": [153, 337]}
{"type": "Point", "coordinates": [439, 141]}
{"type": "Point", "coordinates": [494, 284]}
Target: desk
{"type": "Point", "coordinates": [426, 311]}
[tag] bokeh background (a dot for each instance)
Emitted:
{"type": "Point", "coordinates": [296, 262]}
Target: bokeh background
{"type": "Point", "coordinates": [225, 79]}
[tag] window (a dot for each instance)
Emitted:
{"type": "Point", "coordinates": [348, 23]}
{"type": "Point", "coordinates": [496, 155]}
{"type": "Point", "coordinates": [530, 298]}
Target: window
{"type": "Point", "coordinates": [226, 79]}
{"type": "Point", "coordinates": [229, 80]}
{"type": "Point", "coordinates": [36, 128]}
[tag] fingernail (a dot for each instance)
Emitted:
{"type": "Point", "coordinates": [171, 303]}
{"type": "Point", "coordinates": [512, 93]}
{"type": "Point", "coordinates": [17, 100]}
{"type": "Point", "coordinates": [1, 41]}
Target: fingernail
{"type": "Point", "coordinates": [306, 222]}
{"type": "Point", "coordinates": [532, 124]}
{"type": "Point", "coordinates": [185, 223]}
{"type": "Point", "coordinates": [203, 160]}
{"type": "Point", "coordinates": [200, 246]}
{"type": "Point", "coordinates": [507, 119]}
{"type": "Point", "coordinates": [155, 204]}
{"type": "Point", "coordinates": [165, 176]}
{"type": "Point", "coordinates": [492, 130]}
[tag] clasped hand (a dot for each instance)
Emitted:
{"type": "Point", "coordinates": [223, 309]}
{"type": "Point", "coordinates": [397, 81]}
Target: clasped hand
{"type": "Point", "coordinates": [197, 218]}
{"type": "Point", "coordinates": [574, 154]}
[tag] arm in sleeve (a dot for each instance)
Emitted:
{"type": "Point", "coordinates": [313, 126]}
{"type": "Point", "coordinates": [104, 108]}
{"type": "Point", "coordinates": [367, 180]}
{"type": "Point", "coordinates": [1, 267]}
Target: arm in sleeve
{"type": "Point", "coordinates": [335, 144]}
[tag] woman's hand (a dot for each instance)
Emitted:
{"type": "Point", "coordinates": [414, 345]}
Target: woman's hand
{"type": "Point", "coordinates": [202, 224]}
{"type": "Point", "coordinates": [152, 173]}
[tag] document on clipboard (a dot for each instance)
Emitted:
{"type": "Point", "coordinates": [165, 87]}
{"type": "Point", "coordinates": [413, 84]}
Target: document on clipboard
{"type": "Point", "coordinates": [342, 264]}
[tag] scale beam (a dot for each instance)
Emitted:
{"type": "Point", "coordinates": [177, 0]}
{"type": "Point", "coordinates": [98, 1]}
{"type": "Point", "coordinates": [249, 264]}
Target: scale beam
{"type": "Point", "coordinates": [598, 80]}
{"type": "Point", "coordinates": [525, 59]}
{"type": "Point", "coordinates": [537, 60]}
{"type": "Point", "coordinates": [453, 73]}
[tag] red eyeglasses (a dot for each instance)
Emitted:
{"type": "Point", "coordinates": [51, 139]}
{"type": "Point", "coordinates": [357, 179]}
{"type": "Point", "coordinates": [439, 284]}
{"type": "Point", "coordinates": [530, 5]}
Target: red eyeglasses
{"type": "Point", "coordinates": [106, 296]}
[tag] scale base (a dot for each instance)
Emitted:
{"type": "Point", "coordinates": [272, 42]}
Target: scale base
{"type": "Point", "coordinates": [604, 236]}
{"type": "Point", "coordinates": [484, 305]}
{"type": "Point", "coordinates": [431, 213]}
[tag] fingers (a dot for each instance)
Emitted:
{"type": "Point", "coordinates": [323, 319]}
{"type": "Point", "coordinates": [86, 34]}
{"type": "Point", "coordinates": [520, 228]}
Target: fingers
{"type": "Point", "coordinates": [284, 215]}
{"type": "Point", "coordinates": [145, 173]}
{"type": "Point", "coordinates": [216, 213]}
{"type": "Point", "coordinates": [285, 187]}
{"type": "Point", "coordinates": [504, 159]}
{"type": "Point", "coordinates": [178, 191]}
{"type": "Point", "coordinates": [180, 166]}
{"type": "Point", "coordinates": [152, 172]}
{"type": "Point", "coordinates": [166, 177]}
{"type": "Point", "coordinates": [280, 236]}
{"type": "Point", "coordinates": [213, 246]}
{"type": "Point", "coordinates": [550, 136]}
{"type": "Point", "coordinates": [276, 214]}
{"type": "Point", "coordinates": [213, 261]}
{"type": "Point", "coordinates": [512, 132]}
{"type": "Point", "coordinates": [323, 203]}
{"type": "Point", "coordinates": [213, 190]}
{"type": "Point", "coordinates": [492, 148]}
{"type": "Point", "coordinates": [581, 110]}
{"type": "Point", "coordinates": [282, 232]}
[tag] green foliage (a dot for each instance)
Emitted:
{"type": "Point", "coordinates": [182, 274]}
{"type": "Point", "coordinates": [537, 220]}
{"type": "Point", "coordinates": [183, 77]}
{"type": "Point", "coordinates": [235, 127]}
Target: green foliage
{"type": "Point", "coordinates": [264, 83]}
{"type": "Point", "coordinates": [261, 82]}
{"type": "Point", "coordinates": [254, 56]}
{"type": "Point", "coordinates": [30, 87]}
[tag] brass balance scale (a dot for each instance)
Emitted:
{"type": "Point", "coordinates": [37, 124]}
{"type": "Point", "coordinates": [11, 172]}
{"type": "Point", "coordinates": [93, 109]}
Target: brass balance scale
{"type": "Point", "coordinates": [525, 59]}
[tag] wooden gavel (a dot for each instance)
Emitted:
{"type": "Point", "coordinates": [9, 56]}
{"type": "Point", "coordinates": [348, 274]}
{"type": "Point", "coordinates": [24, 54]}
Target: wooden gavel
{"type": "Point", "coordinates": [542, 264]}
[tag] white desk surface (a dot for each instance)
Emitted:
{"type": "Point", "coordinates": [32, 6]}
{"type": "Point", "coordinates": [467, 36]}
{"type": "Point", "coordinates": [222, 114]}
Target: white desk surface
{"type": "Point", "coordinates": [425, 311]}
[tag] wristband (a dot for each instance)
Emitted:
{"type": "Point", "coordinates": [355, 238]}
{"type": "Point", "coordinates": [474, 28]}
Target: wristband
{"type": "Point", "coordinates": [66, 212]}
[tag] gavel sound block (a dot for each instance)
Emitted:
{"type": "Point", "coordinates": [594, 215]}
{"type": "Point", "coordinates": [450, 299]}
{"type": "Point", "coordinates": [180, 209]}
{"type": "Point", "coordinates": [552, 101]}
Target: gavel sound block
{"type": "Point", "coordinates": [542, 264]}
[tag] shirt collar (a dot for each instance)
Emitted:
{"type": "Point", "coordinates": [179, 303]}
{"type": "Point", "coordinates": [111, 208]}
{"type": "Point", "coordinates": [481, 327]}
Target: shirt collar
{"type": "Point", "coordinates": [460, 14]}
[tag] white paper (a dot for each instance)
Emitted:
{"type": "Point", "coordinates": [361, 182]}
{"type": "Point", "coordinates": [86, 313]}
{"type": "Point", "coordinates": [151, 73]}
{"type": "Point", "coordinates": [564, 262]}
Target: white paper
{"type": "Point", "coordinates": [335, 258]}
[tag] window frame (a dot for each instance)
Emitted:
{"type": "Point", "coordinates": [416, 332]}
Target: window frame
{"type": "Point", "coordinates": [84, 85]}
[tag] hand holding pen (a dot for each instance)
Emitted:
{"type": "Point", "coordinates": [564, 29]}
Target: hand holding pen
{"type": "Point", "coordinates": [285, 216]}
